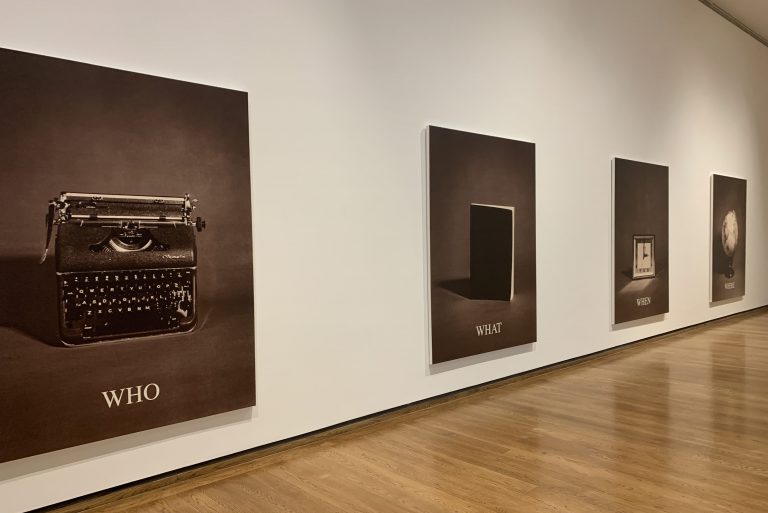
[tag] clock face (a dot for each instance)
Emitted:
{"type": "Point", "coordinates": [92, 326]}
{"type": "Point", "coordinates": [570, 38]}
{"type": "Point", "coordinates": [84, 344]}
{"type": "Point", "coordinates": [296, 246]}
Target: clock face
{"type": "Point", "coordinates": [644, 265]}
{"type": "Point", "coordinates": [644, 256]}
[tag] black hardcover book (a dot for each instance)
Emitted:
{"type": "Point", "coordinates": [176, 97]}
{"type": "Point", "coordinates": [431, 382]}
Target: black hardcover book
{"type": "Point", "coordinates": [491, 253]}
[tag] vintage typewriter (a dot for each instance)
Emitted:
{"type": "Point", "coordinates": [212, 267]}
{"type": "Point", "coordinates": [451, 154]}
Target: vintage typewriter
{"type": "Point", "coordinates": [125, 265]}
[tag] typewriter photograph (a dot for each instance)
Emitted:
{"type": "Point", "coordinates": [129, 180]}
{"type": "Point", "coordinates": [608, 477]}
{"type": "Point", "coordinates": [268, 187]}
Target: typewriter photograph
{"type": "Point", "coordinates": [126, 260]}
{"type": "Point", "coordinates": [125, 265]}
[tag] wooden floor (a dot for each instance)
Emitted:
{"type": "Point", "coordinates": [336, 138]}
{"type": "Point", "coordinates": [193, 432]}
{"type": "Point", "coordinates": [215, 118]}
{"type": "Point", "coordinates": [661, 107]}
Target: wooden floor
{"type": "Point", "coordinates": [677, 424]}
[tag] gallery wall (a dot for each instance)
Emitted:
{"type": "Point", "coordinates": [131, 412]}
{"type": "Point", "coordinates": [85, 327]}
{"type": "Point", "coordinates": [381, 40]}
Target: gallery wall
{"type": "Point", "coordinates": [340, 95]}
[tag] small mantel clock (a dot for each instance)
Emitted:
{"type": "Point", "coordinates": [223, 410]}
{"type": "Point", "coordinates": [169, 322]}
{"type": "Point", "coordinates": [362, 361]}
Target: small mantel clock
{"type": "Point", "coordinates": [644, 265]}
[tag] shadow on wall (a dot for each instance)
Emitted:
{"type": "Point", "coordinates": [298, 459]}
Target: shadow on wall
{"type": "Point", "coordinates": [468, 361]}
{"type": "Point", "coordinates": [28, 297]}
{"type": "Point", "coordinates": [64, 457]}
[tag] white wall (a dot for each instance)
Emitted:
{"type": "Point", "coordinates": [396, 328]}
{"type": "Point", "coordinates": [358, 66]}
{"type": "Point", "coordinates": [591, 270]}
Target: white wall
{"type": "Point", "coordinates": [340, 92]}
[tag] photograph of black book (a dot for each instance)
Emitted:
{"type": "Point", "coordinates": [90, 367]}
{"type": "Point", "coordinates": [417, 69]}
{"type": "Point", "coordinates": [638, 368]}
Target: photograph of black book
{"type": "Point", "coordinates": [492, 251]}
{"type": "Point", "coordinates": [482, 243]}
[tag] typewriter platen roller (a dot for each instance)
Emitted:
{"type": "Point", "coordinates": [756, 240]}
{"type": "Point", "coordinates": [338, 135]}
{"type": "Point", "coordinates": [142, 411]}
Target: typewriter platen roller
{"type": "Point", "coordinates": [125, 265]}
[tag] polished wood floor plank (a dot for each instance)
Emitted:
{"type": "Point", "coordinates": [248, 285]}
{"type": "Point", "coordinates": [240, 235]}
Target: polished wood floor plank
{"type": "Point", "coordinates": [675, 424]}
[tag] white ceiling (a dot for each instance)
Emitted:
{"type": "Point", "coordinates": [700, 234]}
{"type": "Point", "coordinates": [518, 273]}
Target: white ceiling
{"type": "Point", "coordinates": [753, 13]}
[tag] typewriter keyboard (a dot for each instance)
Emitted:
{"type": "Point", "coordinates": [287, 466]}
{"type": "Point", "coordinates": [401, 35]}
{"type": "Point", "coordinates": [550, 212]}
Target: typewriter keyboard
{"type": "Point", "coordinates": [113, 304]}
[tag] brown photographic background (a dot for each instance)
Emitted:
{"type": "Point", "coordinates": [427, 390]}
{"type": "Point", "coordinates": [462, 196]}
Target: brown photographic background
{"type": "Point", "coordinates": [466, 168]}
{"type": "Point", "coordinates": [74, 127]}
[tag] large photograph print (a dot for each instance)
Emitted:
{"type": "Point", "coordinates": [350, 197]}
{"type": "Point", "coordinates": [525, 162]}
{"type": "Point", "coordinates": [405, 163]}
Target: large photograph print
{"type": "Point", "coordinates": [482, 233]}
{"type": "Point", "coordinates": [729, 231]}
{"type": "Point", "coordinates": [126, 296]}
{"type": "Point", "coordinates": [640, 240]}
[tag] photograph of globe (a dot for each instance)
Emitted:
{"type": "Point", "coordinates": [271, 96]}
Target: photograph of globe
{"type": "Point", "coordinates": [730, 239]}
{"type": "Point", "coordinates": [729, 206]}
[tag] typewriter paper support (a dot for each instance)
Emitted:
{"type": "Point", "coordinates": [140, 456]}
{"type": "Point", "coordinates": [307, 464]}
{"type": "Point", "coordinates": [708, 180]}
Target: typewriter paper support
{"type": "Point", "coordinates": [126, 265]}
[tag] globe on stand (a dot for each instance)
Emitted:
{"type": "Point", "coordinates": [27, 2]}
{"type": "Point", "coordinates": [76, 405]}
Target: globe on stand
{"type": "Point", "coordinates": [730, 239]}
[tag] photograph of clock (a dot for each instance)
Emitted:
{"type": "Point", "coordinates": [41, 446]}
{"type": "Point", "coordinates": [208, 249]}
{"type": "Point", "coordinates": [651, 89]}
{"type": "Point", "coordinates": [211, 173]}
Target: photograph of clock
{"type": "Point", "coordinates": [729, 231]}
{"type": "Point", "coordinates": [640, 240]}
{"type": "Point", "coordinates": [644, 261]}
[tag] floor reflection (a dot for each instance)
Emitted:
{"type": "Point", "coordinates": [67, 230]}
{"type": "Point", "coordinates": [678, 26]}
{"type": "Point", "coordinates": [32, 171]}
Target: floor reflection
{"type": "Point", "coordinates": [669, 425]}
